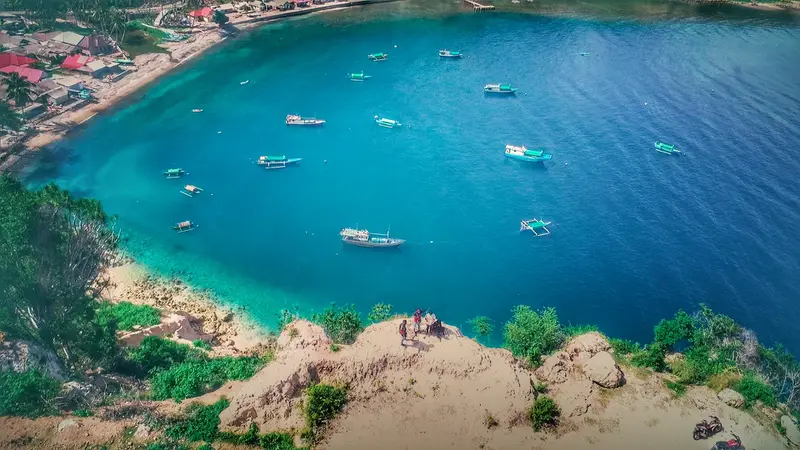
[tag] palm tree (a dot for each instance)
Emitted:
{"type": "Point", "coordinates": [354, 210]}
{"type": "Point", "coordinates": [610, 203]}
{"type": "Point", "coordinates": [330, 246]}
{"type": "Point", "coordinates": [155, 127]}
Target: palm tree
{"type": "Point", "coordinates": [18, 88]}
{"type": "Point", "coordinates": [8, 117]}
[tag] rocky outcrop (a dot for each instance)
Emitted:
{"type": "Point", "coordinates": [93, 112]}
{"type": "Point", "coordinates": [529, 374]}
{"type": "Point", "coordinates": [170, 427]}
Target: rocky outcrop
{"type": "Point", "coordinates": [181, 326]}
{"type": "Point", "coordinates": [20, 356]}
{"type": "Point", "coordinates": [603, 370]}
{"type": "Point", "coordinates": [587, 345]}
{"type": "Point", "coordinates": [792, 432]}
{"type": "Point", "coordinates": [731, 398]}
{"type": "Point", "coordinates": [76, 395]}
{"type": "Point", "coordinates": [556, 368]}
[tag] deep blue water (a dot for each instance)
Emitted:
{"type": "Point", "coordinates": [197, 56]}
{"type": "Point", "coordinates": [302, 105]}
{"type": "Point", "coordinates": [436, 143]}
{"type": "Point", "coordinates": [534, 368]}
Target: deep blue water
{"type": "Point", "coordinates": [636, 234]}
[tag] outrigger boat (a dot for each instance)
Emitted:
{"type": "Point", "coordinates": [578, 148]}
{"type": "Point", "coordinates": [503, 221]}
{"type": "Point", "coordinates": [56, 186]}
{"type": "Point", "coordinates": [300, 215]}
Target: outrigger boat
{"type": "Point", "coordinates": [183, 227]}
{"type": "Point", "coordinates": [584, 53]}
{"type": "Point", "coordinates": [449, 54]}
{"type": "Point", "coordinates": [197, 110]}
{"type": "Point", "coordinates": [499, 89]}
{"type": "Point", "coordinates": [358, 76]}
{"type": "Point", "coordinates": [523, 154]}
{"type": "Point", "coordinates": [191, 190]}
{"type": "Point", "coordinates": [364, 238]}
{"type": "Point", "coordinates": [244, 82]}
{"type": "Point", "coordinates": [174, 173]}
{"type": "Point", "coordinates": [378, 56]}
{"type": "Point", "coordinates": [124, 61]}
{"type": "Point", "coordinates": [276, 162]}
{"type": "Point", "coordinates": [666, 148]}
{"type": "Point", "coordinates": [387, 123]}
{"type": "Point", "coordinates": [535, 226]}
{"type": "Point", "coordinates": [292, 119]}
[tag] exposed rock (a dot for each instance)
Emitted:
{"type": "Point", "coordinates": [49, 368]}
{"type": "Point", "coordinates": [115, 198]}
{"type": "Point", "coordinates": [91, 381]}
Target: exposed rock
{"type": "Point", "coordinates": [603, 370]}
{"type": "Point", "coordinates": [731, 398]}
{"type": "Point", "coordinates": [183, 326]}
{"type": "Point", "coordinates": [223, 315]}
{"type": "Point", "coordinates": [672, 358]}
{"type": "Point", "coordinates": [20, 356]}
{"type": "Point", "coordinates": [575, 400]}
{"type": "Point", "coordinates": [792, 433]}
{"type": "Point", "coordinates": [142, 432]}
{"type": "Point", "coordinates": [76, 395]}
{"type": "Point", "coordinates": [587, 345]}
{"type": "Point", "coordinates": [555, 369]}
{"type": "Point", "coordinates": [64, 424]}
{"type": "Point", "coordinates": [303, 335]}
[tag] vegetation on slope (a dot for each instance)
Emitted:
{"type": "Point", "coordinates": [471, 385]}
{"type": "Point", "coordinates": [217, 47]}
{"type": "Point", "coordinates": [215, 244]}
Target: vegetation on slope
{"type": "Point", "coordinates": [127, 315]}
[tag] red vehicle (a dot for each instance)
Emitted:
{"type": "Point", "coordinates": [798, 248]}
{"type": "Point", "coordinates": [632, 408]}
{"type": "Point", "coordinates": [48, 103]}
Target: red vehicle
{"type": "Point", "coordinates": [733, 444]}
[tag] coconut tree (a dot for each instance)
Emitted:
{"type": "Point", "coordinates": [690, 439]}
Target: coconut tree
{"type": "Point", "coordinates": [9, 119]}
{"type": "Point", "coordinates": [19, 89]}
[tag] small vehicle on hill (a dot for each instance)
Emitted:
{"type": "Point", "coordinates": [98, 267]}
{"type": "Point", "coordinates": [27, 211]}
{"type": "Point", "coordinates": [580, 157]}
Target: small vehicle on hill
{"type": "Point", "coordinates": [705, 429]}
{"type": "Point", "coordinates": [732, 444]}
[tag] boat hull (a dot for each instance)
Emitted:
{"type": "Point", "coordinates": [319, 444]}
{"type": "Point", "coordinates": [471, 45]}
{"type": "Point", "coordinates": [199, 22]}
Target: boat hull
{"type": "Point", "coordinates": [543, 158]}
{"type": "Point", "coordinates": [491, 91]}
{"type": "Point", "coordinates": [314, 123]}
{"type": "Point", "coordinates": [393, 243]}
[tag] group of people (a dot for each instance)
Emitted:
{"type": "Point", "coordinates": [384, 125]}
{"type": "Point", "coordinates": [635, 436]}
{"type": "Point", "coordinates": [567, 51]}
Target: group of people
{"type": "Point", "coordinates": [432, 325]}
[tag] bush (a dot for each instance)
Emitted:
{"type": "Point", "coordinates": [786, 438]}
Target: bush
{"type": "Point", "coordinates": [670, 332]}
{"type": "Point", "coordinates": [201, 422]}
{"type": "Point", "coordinates": [652, 356]}
{"type": "Point", "coordinates": [167, 446]}
{"type": "Point", "coordinates": [577, 330]}
{"type": "Point", "coordinates": [323, 403]}
{"type": "Point", "coordinates": [380, 313]}
{"type": "Point", "coordinates": [623, 347]}
{"type": "Point", "coordinates": [155, 354]}
{"type": "Point", "coordinates": [276, 441]}
{"type": "Point", "coordinates": [201, 344]}
{"type": "Point", "coordinates": [544, 412]}
{"type": "Point", "coordinates": [754, 389]}
{"type": "Point", "coordinates": [678, 388]}
{"type": "Point", "coordinates": [482, 326]}
{"type": "Point", "coordinates": [196, 377]}
{"type": "Point", "coordinates": [29, 394]}
{"type": "Point", "coordinates": [127, 315]}
{"type": "Point", "coordinates": [342, 325]}
{"type": "Point", "coordinates": [285, 317]}
{"type": "Point", "coordinates": [530, 334]}
{"type": "Point", "coordinates": [723, 380]}
{"type": "Point", "coordinates": [699, 364]}
{"type": "Point", "coordinates": [335, 348]}
{"type": "Point", "coordinates": [82, 413]}
{"type": "Point", "coordinates": [540, 387]}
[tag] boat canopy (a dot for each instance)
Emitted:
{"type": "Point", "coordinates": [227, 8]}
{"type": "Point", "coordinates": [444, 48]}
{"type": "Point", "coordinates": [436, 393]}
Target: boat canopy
{"type": "Point", "coordinates": [505, 86]}
{"type": "Point", "coordinates": [184, 224]}
{"type": "Point", "coordinates": [534, 152]}
{"type": "Point", "coordinates": [272, 158]}
{"type": "Point", "coordinates": [173, 171]}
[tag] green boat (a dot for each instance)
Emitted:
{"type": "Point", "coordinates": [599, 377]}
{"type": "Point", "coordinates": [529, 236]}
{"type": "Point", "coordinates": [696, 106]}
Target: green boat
{"type": "Point", "coordinates": [666, 148]}
{"type": "Point", "coordinates": [358, 76]}
{"type": "Point", "coordinates": [124, 61]}
{"type": "Point", "coordinates": [499, 89]}
{"type": "Point", "coordinates": [378, 56]}
{"type": "Point", "coordinates": [174, 173]}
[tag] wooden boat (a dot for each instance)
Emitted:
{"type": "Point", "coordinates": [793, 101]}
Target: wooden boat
{"type": "Point", "coordinates": [276, 162]}
{"type": "Point", "coordinates": [387, 123]}
{"type": "Point", "coordinates": [292, 119]}
{"type": "Point", "coordinates": [666, 148]}
{"type": "Point", "coordinates": [191, 190]}
{"type": "Point", "coordinates": [523, 154]}
{"type": "Point", "coordinates": [378, 56]}
{"type": "Point", "coordinates": [358, 76]}
{"type": "Point", "coordinates": [364, 238]}
{"type": "Point", "coordinates": [535, 226]}
{"type": "Point", "coordinates": [499, 89]}
{"type": "Point", "coordinates": [124, 61]}
{"type": "Point", "coordinates": [449, 54]}
{"type": "Point", "coordinates": [183, 227]}
{"type": "Point", "coordinates": [174, 173]}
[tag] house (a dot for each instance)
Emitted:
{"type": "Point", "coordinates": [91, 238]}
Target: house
{"type": "Point", "coordinates": [202, 15]}
{"type": "Point", "coordinates": [226, 8]}
{"type": "Point", "coordinates": [96, 44]}
{"type": "Point", "coordinates": [76, 62]}
{"type": "Point", "coordinates": [12, 59]}
{"type": "Point", "coordinates": [52, 91]}
{"type": "Point", "coordinates": [71, 83]}
{"type": "Point", "coordinates": [30, 74]}
{"type": "Point", "coordinates": [100, 68]}
{"type": "Point", "coordinates": [10, 42]}
{"type": "Point", "coordinates": [68, 37]}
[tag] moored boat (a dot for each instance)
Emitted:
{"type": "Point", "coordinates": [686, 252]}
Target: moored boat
{"type": "Point", "coordinates": [182, 227]}
{"type": "Point", "coordinates": [499, 89]}
{"type": "Point", "coordinates": [293, 119]}
{"type": "Point", "coordinates": [666, 148]}
{"type": "Point", "coordinates": [378, 56]}
{"type": "Point", "coordinates": [276, 162]}
{"type": "Point", "coordinates": [363, 238]}
{"type": "Point", "coordinates": [124, 61]}
{"type": "Point", "coordinates": [358, 76]}
{"type": "Point", "coordinates": [536, 226]}
{"type": "Point", "coordinates": [174, 173]}
{"type": "Point", "coordinates": [387, 123]}
{"type": "Point", "coordinates": [449, 54]}
{"type": "Point", "coordinates": [523, 154]}
{"type": "Point", "coordinates": [584, 53]}
{"type": "Point", "coordinates": [191, 190]}
{"type": "Point", "coordinates": [197, 110]}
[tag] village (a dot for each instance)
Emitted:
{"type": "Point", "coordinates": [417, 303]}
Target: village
{"type": "Point", "coordinates": [55, 77]}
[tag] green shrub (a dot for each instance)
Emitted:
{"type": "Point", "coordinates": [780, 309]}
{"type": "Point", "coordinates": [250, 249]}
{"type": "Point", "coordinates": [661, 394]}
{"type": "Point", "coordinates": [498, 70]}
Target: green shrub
{"type": "Point", "coordinates": [754, 389]}
{"type": "Point", "coordinates": [623, 347]}
{"type": "Point", "coordinates": [678, 388]}
{"type": "Point", "coordinates": [335, 348]}
{"type": "Point", "coordinates": [323, 403]}
{"type": "Point", "coordinates": [699, 364]}
{"type": "Point", "coordinates": [652, 356]}
{"type": "Point", "coordinates": [577, 330]}
{"type": "Point", "coordinates": [540, 387]}
{"type": "Point", "coordinates": [276, 441]}
{"type": "Point", "coordinates": [781, 429]}
{"type": "Point", "coordinates": [669, 332]}
{"type": "Point", "coordinates": [544, 412]}
{"type": "Point", "coordinates": [201, 344]}
{"type": "Point", "coordinates": [482, 326]}
{"type": "Point", "coordinates": [196, 377]}
{"type": "Point", "coordinates": [380, 313]}
{"type": "Point", "coordinates": [82, 413]}
{"type": "Point", "coordinates": [342, 325]}
{"type": "Point", "coordinates": [251, 436]}
{"type": "Point", "coordinates": [285, 317]}
{"type": "Point", "coordinates": [530, 334]}
{"type": "Point", "coordinates": [168, 445]}
{"type": "Point", "coordinates": [155, 353]}
{"type": "Point", "coordinates": [271, 441]}
{"type": "Point", "coordinates": [723, 380]}
{"type": "Point", "coordinates": [127, 315]}
{"type": "Point", "coordinates": [29, 394]}
{"type": "Point", "coordinates": [201, 422]}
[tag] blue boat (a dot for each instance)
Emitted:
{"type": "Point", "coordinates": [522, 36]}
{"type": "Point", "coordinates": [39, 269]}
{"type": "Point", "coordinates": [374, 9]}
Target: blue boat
{"type": "Point", "coordinates": [523, 154]}
{"type": "Point", "coordinates": [449, 54]}
{"type": "Point", "coordinates": [666, 148]}
{"type": "Point", "coordinates": [276, 162]}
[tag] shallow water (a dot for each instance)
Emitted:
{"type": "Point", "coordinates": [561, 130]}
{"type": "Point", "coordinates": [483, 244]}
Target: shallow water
{"type": "Point", "coordinates": [636, 234]}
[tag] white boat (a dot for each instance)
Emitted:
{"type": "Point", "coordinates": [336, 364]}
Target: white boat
{"type": "Point", "coordinates": [197, 110]}
{"type": "Point", "coordinates": [293, 119]}
{"type": "Point", "coordinates": [244, 82]}
{"type": "Point", "coordinates": [387, 123]}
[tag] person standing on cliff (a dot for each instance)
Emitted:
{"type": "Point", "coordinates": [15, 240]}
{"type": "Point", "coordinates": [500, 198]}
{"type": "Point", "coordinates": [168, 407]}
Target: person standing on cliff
{"type": "Point", "coordinates": [403, 333]}
{"type": "Point", "coordinates": [417, 321]}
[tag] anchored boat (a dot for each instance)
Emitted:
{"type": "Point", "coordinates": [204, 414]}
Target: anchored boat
{"type": "Point", "coordinates": [535, 226]}
{"type": "Point", "coordinates": [449, 54]}
{"type": "Point", "coordinates": [378, 56]}
{"type": "Point", "coordinates": [523, 154]}
{"type": "Point", "coordinates": [276, 162]}
{"type": "Point", "coordinates": [387, 123]}
{"type": "Point", "coordinates": [191, 190]}
{"type": "Point", "coordinates": [197, 110]}
{"type": "Point", "coordinates": [183, 227]}
{"type": "Point", "coordinates": [293, 119]}
{"type": "Point", "coordinates": [584, 53]}
{"type": "Point", "coordinates": [358, 76]}
{"type": "Point", "coordinates": [666, 148]}
{"type": "Point", "coordinates": [174, 173]}
{"type": "Point", "coordinates": [364, 238]}
{"type": "Point", "coordinates": [499, 89]}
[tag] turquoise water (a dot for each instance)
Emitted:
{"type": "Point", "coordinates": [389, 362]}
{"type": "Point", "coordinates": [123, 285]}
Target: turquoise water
{"type": "Point", "coordinates": [636, 234]}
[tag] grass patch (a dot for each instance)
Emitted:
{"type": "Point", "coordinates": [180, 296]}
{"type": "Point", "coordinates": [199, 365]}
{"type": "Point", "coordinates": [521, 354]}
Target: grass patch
{"type": "Point", "coordinates": [201, 344]}
{"type": "Point", "coordinates": [82, 413]}
{"type": "Point", "coordinates": [723, 380]}
{"type": "Point", "coordinates": [323, 403]}
{"type": "Point", "coordinates": [335, 347]}
{"type": "Point", "coordinates": [532, 334]}
{"type": "Point", "coordinates": [201, 422]}
{"type": "Point", "coordinates": [196, 377]}
{"type": "Point", "coordinates": [679, 389]}
{"type": "Point", "coordinates": [127, 315]}
{"type": "Point", "coordinates": [342, 325]}
{"type": "Point", "coordinates": [490, 421]}
{"type": "Point", "coordinates": [28, 394]}
{"type": "Point", "coordinates": [576, 330]}
{"type": "Point", "coordinates": [137, 42]}
{"type": "Point", "coordinates": [380, 312]}
{"type": "Point", "coordinates": [754, 389]}
{"type": "Point", "coordinates": [272, 441]}
{"type": "Point", "coordinates": [544, 413]}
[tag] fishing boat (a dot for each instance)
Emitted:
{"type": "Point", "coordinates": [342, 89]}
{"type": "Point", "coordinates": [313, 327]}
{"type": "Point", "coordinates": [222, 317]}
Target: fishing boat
{"type": "Point", "coordinates": [499, 89]}
{"type": "Point", "coordinates": [584, 53]}
{"type": "Point", "coordinates": [358, 76]}
{"type": "Point", "coordinates": [244, 82]}
{"type": "Point", "coordinates": [666, 148]}
{"type": "Point", "coordinates": [174, 173]}
{"type": "Point", "coordinates": [364, 238]}
{"type": "Point", "coordinates": [387, 123]}
{"type": "Point", "coordinates": [183, 227]}
{"type": "Point", "coordinates": [449, 54]}
{"type": "Point", "coordinates": [191, 190]}
{"type": "Point", "coordinates": [276, 162]}
{"type": "Point", "coordinates": [292, 119]}
{"type": "Point", "coordinates": [535, 226]}
{"type": "Point", "coordinates": [378, 56]}
{"type": "Point", "coordinates": [197, 110]}
{"type": "Point", "coordinates": [523, 154]}
{"type": "Point", "coordinates": [124, 61]}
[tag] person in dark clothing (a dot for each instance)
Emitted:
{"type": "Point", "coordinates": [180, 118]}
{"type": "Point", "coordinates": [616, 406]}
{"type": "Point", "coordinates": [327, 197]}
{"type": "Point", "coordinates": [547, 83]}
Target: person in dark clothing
{"type": "Point", "coordinates": [417, 320]}
{"type": "Point", "coordinates": [403, 333]}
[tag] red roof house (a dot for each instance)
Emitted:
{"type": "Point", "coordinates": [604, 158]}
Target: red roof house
{"type": "Point", "coordinates": [202, 12]}
{"type": "Point", "coordinates": [11, 59]}
{"type": "Point", "coordinates": [32, 75]}
{"type": "Point", "coordinates": [76, 62]}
